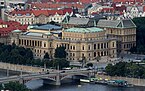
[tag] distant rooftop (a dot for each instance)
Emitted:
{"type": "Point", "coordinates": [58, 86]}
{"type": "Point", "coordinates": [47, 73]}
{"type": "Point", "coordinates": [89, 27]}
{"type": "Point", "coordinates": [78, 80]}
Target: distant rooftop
{"type": "Point", "coordinates": [32, 34]}
{"type": "Point", "coordinates": [46, 27]}
{"type": "Point", "coordinates": [84, 30]}
{"type": "Point", "coordinates": [116, 23]}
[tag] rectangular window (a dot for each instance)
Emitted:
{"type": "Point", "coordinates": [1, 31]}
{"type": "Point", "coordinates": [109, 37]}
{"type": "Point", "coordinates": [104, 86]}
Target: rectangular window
{"type": "Point", "coordinates": [101, 45]}
{"type": "Point", "coordinates": [74, 54]}
{"type": "Point", "coordinates": [73, 47]}
{"type": "Point", "coordinates": [83, 55]}
{"type": "Point", "coordinates": [83, 47]}
{"type": "Point", "coordinates": [98, 46]}
{"type": "Point", "coordinates": [112, 44]}
{"type": "Point", "coordinates": [89, 47]}
{"type": "Point", "coordinates": [44, 44]}
{"type": "Point", "coordinates": [104, 45]}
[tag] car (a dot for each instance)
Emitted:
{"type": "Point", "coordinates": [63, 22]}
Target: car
{"type": "Point", "coordinates": [62, 71]}
{"type": "Point", "coordinates": [67, 68]}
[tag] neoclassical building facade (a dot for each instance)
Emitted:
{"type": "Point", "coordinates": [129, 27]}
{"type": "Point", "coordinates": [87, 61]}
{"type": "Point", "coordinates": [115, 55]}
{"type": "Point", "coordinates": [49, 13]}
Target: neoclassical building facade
{"type": "Point", "coordinates": [122, 30]}
{"type": "Point", "coordinates": [79, 42]}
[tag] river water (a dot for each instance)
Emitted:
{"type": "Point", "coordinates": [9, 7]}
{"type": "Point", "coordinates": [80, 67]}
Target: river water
{"type": "Point", "coordinates": [37, 85]}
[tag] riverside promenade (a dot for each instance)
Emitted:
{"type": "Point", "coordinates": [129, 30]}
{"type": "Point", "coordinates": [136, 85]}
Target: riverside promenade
{"type": "Point", "coordinates": [23, 68]}
{"type": "Point", "coordinates": [134, 81]}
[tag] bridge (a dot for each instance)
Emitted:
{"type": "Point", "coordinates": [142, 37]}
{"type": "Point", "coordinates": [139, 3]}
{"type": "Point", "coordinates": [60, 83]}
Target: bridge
{"type": "Point", "coordinates": [55, 78]}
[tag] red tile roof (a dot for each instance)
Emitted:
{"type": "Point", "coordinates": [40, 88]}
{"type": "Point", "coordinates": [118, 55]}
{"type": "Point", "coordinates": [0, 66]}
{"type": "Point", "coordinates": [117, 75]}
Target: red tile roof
{"type": "Point", "coordinates": [119, 8]}
{"type": "Point", "coordinates": [144, 8]}
{"type": "Point", "coordinates": [56, 5]}
{"type": "Point", "coordinates": [68, 1]}
{"type": "Point", "coordinates": [51, 12]}
{"type": "Point", "coordinates": [108, 10]}
{"type": "Point", "coordinates": [39, 12]}
{"type": "Point", "coordinates": [140, 1]}
{"type": "Point", "coordinates": [43, 1]}
{"type": "Point", "coordinates": [11, 25]}
{"type": "Point", "coordinates": [89, 1]}
{"type": "Point", "coordinates": [22, 12]}
{"type": "Point", "coordinates": [42, 12]}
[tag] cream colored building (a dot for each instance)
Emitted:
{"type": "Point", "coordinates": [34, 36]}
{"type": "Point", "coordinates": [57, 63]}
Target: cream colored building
{"type": "Point", "coordinates": [23, 17]}
{"type": "Point", "coordinates": [123, 30]}
{"type": "Point", "coordinates": [79, 43]}
{"type": "Point", "coordinates": [37, 16]}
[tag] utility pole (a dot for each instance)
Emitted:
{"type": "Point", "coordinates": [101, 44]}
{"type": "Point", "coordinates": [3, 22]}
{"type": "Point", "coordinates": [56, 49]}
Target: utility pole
{"type": "Point", "coordinates": [44, 65]}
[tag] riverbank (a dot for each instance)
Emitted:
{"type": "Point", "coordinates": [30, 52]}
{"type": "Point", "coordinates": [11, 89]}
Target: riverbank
{"type": "Point", "coordinates": [134, 81]}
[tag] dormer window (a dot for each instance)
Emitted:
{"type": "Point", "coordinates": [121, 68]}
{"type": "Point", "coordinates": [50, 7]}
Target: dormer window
{"type": "Point", "coordinates": [19, 14]}
{"type": "Point", "coordinates": [27, 14]}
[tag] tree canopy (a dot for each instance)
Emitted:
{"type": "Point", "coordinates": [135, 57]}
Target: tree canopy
{"type": "Point", "coordinates": [15, 54]}
{"type": "Point", "coordinates": [126, 69]}
{"type": "Point", "coordinates": [60, 52]}
{"type": "Point", "coordinates": [14, 86]}
{"type": "Point", "coordinates": [140, 35]}
{"type": "Point", "coordinates": [20, 55]}
{"type": "Point", "coordinates": [46, 56]}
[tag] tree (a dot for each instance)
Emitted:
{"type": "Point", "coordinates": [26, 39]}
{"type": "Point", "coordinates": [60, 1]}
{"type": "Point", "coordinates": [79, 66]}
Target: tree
{"type": "Point", "coordinates": [140, 33]}
{"type": "Point", "coordinates": [46, 56]}
{"type": "Point", "coordinates": [60, 57]}
{"type": "Point", "coordinates": [133, 49]}
{"type": "Point", "coordinates": [126, 69]}
{"type": "Point", "coordinates": [60, 52]}
{"type": "Point", "coordinates": [15, 86]}
{"type": "Point", "coordinates": [89, 64]}
{"type": "Point", "coordinates": [109, 69]}
{"type": "Point", "coordinates": [61, 62]}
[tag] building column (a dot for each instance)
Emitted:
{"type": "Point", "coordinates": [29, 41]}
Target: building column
{"type": "Point", "coordinates": [26, 42]}
{"type": "Point", "coordinates": [30, 43]}
{"type": "Point", "coordinates": [40, 43]}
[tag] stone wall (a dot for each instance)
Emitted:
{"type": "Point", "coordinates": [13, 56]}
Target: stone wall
{"type": "Point", "coordinates": [24, 68]}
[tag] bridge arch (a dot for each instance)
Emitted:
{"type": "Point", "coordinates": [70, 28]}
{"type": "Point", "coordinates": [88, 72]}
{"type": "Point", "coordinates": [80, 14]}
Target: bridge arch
{"type": "Point", "coordinates": [70, 75]}
{"type": "Point", "coordinates": [25, 80]}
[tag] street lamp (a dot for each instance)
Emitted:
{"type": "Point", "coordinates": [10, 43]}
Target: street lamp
{"type": "Point", "coordinates": [7, 71]}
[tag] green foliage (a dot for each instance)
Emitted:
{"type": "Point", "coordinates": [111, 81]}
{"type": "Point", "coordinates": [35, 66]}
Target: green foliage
{"type": "Point", "coordinates": [20, 55]}
{"type": "Point", "coordinates": [14, 54]}
{"type": "Point", "coordinates": [126, 69]}
{"type": "Point", "coordinates": [133, 49]}
{"type": "Point", "coordinates": [46, 56]}
{"type": "Point", "coordinates": [140, 35]}
{"type": "Point", "coordinates": [109, 69]}
{"type": "Point", "coordinates": [89, 64]}
{"type": "Point", "coordinates": [61, 62]}
{"type": "Point", "coordinates": [14, 86]}
{"type": "Point", "coordinates": [60, 52]}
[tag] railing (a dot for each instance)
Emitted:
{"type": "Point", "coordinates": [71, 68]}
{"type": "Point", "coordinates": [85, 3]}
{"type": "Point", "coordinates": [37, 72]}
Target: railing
{"type": "Point", "coordinates": [40, 75]}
